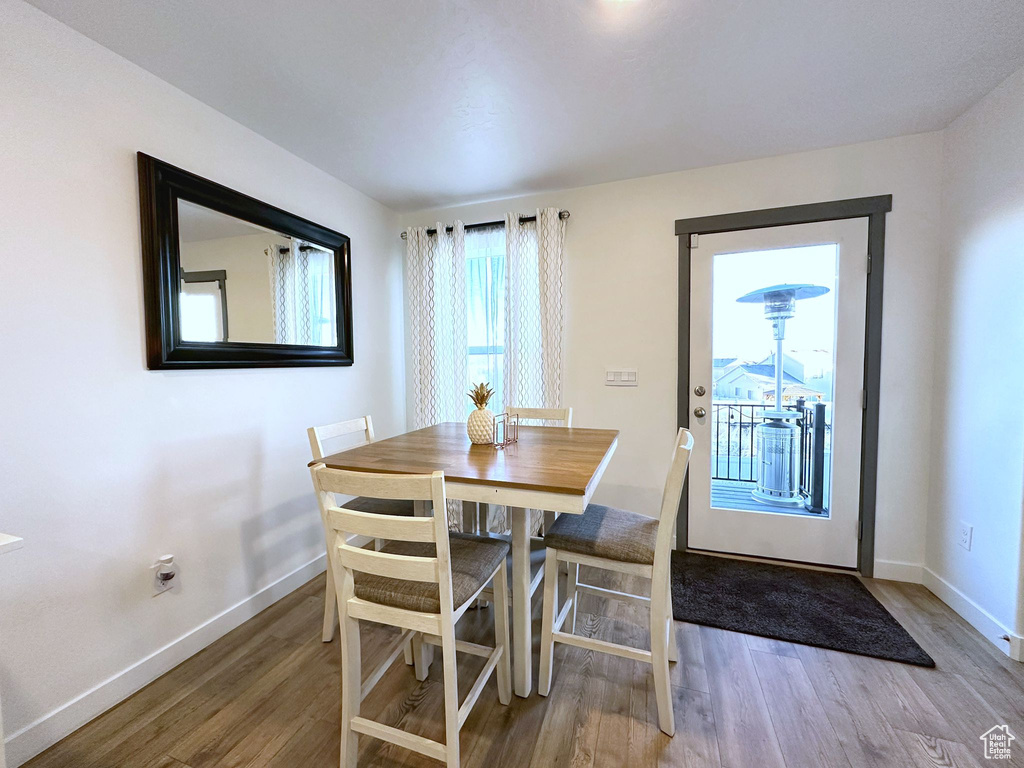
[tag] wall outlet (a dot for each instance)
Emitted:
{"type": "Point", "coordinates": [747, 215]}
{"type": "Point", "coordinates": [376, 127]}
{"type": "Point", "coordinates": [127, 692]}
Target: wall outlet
{"type": "Point", "coordinates": [165, 575]}
{"type": "Point", "coordinates": [620, 377]}
{"type": "Point", "coordinates": [965, 535]}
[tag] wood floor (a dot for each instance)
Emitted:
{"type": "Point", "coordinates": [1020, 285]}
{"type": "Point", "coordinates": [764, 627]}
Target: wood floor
{"type": "Point", "coordinates": [268, 695]}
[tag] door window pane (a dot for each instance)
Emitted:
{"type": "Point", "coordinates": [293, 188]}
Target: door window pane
{"type": "Point", "coordinates": [762, 462]}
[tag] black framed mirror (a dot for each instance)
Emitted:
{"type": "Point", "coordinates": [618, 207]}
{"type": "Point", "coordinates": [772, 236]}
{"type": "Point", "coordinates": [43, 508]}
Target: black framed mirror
{"type": "Point", "coordinates": [233, 282]}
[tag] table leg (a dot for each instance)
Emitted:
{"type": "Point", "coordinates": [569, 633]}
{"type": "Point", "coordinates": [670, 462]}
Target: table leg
{"type": "Point", "coordinates": [522, 643]}
{"type": "Point", "coordinates": [469, 517]}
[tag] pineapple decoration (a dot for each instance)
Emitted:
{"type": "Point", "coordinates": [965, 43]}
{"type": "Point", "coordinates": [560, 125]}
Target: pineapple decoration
{"type": "Point", "coordinates": [480, 426]}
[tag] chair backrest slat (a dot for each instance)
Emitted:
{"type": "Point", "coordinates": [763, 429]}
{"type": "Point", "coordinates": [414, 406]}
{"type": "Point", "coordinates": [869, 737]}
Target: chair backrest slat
{"type": "Point", "coordinates": [378, 486]}
{"type": "Point", "coordinates": [561, 415]}
{"type": "Point", "coordinates": [389, 527]}
{"type": "Point", "coordinates": [404, 567]}
{"type": "Point", "coordinates": [319, 435]}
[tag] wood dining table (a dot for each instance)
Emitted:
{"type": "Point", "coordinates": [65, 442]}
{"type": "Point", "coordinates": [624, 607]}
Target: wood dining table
{"type": "Point", "coordinates": [554, 469]}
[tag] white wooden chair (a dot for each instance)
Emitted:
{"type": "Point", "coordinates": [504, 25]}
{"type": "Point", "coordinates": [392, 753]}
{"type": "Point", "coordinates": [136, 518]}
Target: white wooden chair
{"type": "Point", "coordinates": [422, 581]}
{"type": "Point", "coordinates": [317, 437]}
{"type": "Point", "coordinates": [625, 542]}
{"type": "Point", "coordinates": [561, 415]}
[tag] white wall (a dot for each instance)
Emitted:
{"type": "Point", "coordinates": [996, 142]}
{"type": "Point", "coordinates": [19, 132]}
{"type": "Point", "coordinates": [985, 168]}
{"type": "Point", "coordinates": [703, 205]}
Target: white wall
{"type": "Point", "coordinates": [979, 407]}
{"type": "Point", "coordinates": [105, 465]}
{"type": "Point", "coordinates": [621, 296]}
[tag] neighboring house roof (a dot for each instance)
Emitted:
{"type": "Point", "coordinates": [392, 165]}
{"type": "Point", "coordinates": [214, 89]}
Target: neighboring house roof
{"type": "Point", "coordinates": [721, 362]}
{"type": "Point", "coordinates": [795, 390]}
{"type": "Point", "coordinates": [769, 371]}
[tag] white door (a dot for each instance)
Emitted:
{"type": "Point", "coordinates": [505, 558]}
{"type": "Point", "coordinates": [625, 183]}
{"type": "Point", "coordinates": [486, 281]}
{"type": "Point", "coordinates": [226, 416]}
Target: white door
{"type": "Point", "coordinates": [778, 486]}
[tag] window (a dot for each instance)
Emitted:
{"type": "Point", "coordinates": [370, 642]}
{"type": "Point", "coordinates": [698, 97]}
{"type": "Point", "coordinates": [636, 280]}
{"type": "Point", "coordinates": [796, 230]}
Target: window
{"type": "Point", "coordinates": [200, 312]}
{"type": "Point", "coordinates": [485, 303]}
{"type": "Point", "coordinates": [323, 312]}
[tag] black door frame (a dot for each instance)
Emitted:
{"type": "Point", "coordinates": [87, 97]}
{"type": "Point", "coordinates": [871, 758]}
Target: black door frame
{"type": "Point", "coordinates": [874, 210]}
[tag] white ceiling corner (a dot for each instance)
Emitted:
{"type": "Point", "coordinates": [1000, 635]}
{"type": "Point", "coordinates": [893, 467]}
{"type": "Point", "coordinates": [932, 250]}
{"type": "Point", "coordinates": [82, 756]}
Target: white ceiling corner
{"type": "Point", "coordinates": [429, 103]}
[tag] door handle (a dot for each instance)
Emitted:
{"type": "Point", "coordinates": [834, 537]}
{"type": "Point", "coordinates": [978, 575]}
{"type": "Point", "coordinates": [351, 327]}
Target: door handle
{"type": "Point", "coordinates": [699, 412]}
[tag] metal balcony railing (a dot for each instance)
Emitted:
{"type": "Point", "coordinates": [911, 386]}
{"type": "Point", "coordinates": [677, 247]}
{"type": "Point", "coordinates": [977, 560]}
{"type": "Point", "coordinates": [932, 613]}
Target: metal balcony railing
{"type": "Point", "coordinates": [734, 448]}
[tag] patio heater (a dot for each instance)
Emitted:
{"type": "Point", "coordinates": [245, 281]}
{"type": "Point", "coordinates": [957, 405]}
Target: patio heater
{"type": "Point", "coordinates": [778, 439]}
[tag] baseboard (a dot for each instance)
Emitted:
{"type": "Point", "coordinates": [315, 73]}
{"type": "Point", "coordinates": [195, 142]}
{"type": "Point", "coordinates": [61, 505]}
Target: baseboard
{"type": "Point", "coordinates": [894, 570]}
{"type": "Point", "coordinates": [999, 635]}
{"type": "Point", "coordinates": [54, 726]}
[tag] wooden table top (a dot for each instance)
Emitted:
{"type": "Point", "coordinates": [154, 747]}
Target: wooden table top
{"type": "Point", "coordinates": [553, 459]}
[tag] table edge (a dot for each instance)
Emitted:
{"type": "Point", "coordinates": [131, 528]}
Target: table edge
{"type": "Point", "coordinates": [585, 492]}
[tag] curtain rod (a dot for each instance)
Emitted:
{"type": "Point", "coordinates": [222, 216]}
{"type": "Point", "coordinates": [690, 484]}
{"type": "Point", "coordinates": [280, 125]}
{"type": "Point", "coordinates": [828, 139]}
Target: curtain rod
{"type": "Point", "coordinates": [285, 249]}
{"type": "Point", "coordinates": [522, 220]}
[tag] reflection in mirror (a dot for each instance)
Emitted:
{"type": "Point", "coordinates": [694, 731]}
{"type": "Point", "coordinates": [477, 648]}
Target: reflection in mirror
{"type": "Point", "coordinates": [204, 312]}
{"type": "Point", "coordinates": [243, 283]}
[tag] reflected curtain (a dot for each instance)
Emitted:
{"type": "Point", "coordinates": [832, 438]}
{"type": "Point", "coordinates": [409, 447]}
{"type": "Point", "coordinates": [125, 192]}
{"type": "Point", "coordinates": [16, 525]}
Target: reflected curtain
{"type": "Point", "coordinates": [303, 291]}
{"type": "Point", "coordinates": [436, 297]}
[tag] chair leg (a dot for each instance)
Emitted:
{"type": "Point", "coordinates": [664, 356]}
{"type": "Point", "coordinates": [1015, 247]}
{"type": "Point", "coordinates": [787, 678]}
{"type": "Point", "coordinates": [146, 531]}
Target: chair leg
{"type": "Point", "coordinates": [570, 594]}
{"type": "Point", "coordinates": [547, 643]}
{"type": "Point", "coordinates": [659, 630]}
{"type": "Point", "coordinates": [482, 529]}
{"type": "Point", "coordinates": [419, 657]}
{"type": "Point", "coordinates": [549, 520]}
{"type": "Point", "coordinates": [330, 606]}
{"type": "Point", "coordinates": [351, 683]}
{"type": "Point", "coordinates": [451, 697]}
{"type": "Point", "coordinates": [673, 640]}
{"type": "Point", "coordinates": [470, 517]}
{"type": "Point", "coordinates": [504, 670]}
{"type": "Point", "coordinates": [673, 647]}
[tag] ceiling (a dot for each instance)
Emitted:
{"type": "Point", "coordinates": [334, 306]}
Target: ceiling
{"type": "Point", "coordinates": [435, 102]}
{"type": "Point", "coordinates": [196, 223]}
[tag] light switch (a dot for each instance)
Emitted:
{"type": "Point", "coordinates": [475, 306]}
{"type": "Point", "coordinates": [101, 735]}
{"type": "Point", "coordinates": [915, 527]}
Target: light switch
{"type": "Point", "coordinates": [620, 377]}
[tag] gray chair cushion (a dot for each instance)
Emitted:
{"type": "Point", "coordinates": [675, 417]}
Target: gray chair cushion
{"type": "Point", "coordinates": [380, 506]}
{"type": "Point", "coordinates": [600, 531]}
{"type": "Point", "coordinates": [474, 559]}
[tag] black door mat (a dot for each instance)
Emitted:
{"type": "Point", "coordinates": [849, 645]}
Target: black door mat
{"type": "Point", "coordinates": [800, 605]}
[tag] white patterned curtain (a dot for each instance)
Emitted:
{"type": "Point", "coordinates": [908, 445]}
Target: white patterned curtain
{"type": "Point", "coordinates": [436, 296]}
{"type": "Point", "coordinates": [303, 290]}
{"type": "Point", "coordinates": [534, 310]}
{"type": "Point", "coordinates": [534, 321]}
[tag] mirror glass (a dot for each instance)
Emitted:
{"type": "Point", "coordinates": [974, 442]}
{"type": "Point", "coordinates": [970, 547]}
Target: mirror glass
{"type": "Point", "coordinates": [240, 282]}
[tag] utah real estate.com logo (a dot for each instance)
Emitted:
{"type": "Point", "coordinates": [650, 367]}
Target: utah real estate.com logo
{"type": "Point", "coordinates": [997, 742]}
